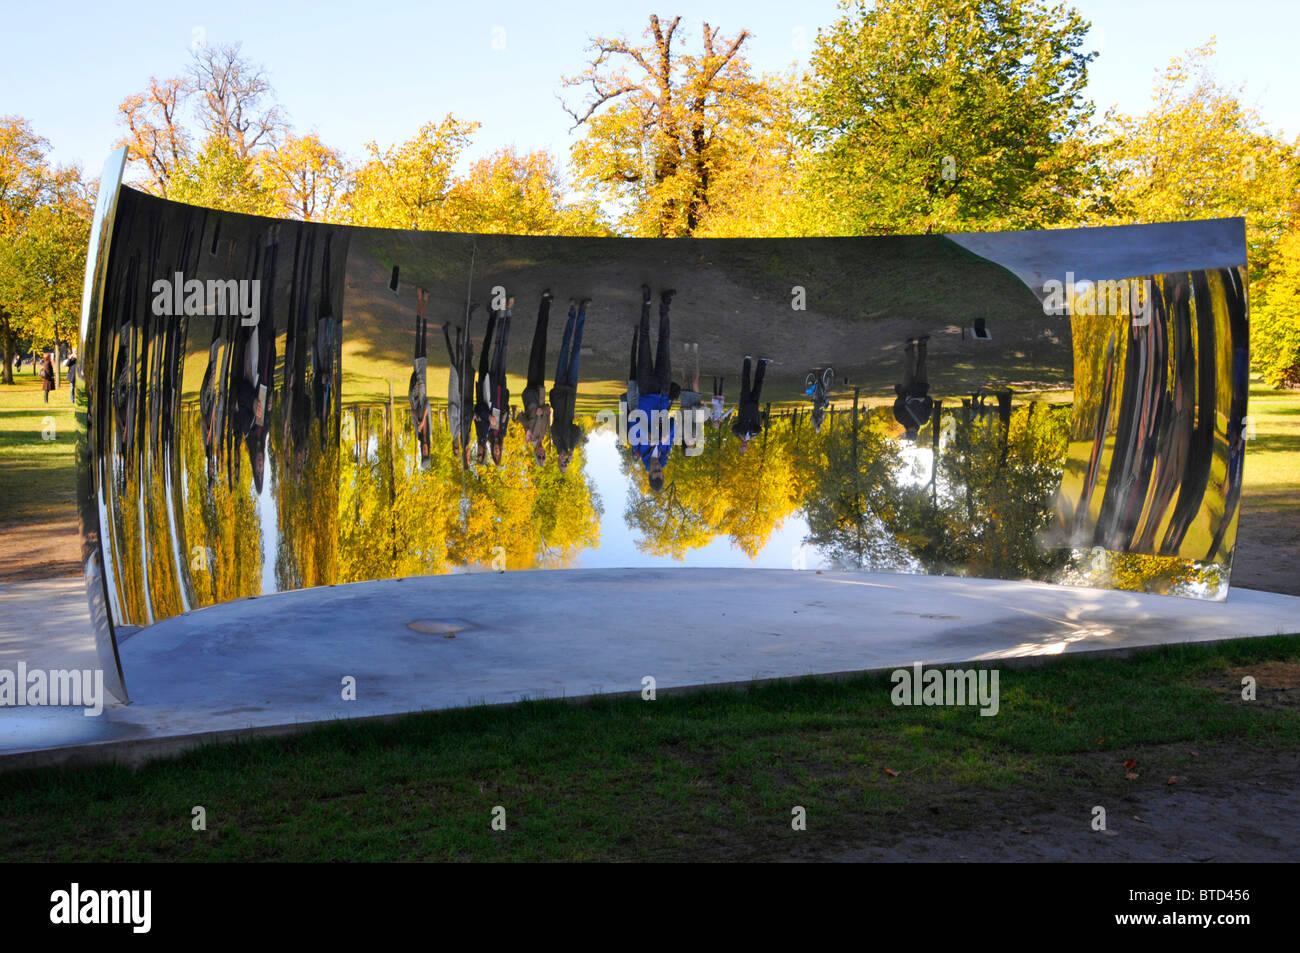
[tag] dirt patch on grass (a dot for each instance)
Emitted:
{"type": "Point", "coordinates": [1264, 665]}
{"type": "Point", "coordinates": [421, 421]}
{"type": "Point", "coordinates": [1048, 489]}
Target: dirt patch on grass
{"type": "Point", "coordinates": [1229, 803]}
{"type": "Point", "coordinates": [1277, 684]}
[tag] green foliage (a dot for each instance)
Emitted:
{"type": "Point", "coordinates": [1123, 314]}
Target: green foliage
{"type": "Point", "coordinates": [509, 193]}
{"type": "Point", "coordinates": [1200, 153]}
{"type": "Point", "coordinates": [1275, 330]}
{"type": "Point", "coordinates": [663, 127]}
{"type": "Point", "coordinates": [408, 185]}
{"type": "Point", "coordinates": [948, 115]}
{"type": "Point", "coordinates": [219, 177]}
{"type": "Point", "coordinates": [44, 228]}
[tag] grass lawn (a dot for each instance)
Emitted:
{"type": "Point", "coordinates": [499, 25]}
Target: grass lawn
{"type": "Point", "coordinates": [1271, 477]}
{"type": "Point", "coordinates": [37, 477]}
{"type": "Point", "coordinates": [705, 776]}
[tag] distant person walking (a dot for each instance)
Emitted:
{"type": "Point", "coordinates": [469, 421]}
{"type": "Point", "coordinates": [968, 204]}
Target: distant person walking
{"type": "Point", "coordinates": [47, 377]}
{"type": "Point", "coordinates": [71, 365]}
{"type": "Point", "coordinates": [565, 433]}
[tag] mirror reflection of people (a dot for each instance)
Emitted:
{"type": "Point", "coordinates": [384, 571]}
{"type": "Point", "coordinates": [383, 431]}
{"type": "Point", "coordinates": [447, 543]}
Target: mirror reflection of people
{"type": "Point", "coordinates": [418, 389]}
{"type": "Point", "coordinates": [654, 390]}
{"type": "Point", "coordinates": [816, 386]}
{"type": "Point", "coordinates": [718, 403]}
{"type": "Point", "coordinates": [749, 415]}
{"type": "Point", "coordinates": [482, 407]}
{"type": "Point", "coordinates": [253, 387]}
{"type": "Point", "coordinates": [537, 415]}
{"type": "Point", "coordinates": [323, 350]}
{"type": "Point", "coordinates": [460, 384]}
{"type": "Point", "coordinates": [565, 433]}
{"type": "Point", "coordinates": [691, 402]}
{"type": "Point", "coordinates": [497, 387]}
{"type": "Point", "coordinates": [913, 405]}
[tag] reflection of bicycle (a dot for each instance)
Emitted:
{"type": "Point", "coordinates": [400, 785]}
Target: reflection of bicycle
{"type": "Point", "coordinates": [818, 383]}
{"type": "Point", "coordinates": [817, 386]}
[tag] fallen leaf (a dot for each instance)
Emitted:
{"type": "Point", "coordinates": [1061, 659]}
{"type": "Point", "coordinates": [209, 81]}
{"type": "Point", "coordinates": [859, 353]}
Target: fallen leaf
{"type": "Point", "coordinates": [1130, 764]}
{"type": "Point", "coordinates": [1194, 754]}
{"type": "Point", "coordinates": [891, 772]}
{"type": "Point", "coordinates": [1172, 781]}
{"type": "Point", "coordinates": [1131, 776]}
{"type": "Point", "coordinates": [1101, 740]}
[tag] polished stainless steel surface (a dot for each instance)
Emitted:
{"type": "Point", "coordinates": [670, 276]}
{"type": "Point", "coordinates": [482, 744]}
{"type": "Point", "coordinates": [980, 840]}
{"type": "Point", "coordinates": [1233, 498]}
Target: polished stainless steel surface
{"type": "Point", "coordinates": [275, 405]}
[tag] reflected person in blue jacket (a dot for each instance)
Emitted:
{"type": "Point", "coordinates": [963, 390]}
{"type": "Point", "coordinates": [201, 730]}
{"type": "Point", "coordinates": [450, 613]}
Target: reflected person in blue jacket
{"type": "Point", "coordinates": [653, 435]}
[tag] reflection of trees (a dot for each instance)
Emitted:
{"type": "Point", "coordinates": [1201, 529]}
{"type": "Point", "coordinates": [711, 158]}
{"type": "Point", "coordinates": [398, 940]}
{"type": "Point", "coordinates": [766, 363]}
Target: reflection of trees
{"type": "Point", "coordinates": [304, 481]}
{"type": "Point", "coordinates": [718, 492]}
{"type": "Point", "coordinates": [982, 513]}
{"type": "Point", "coordinates": [851, 496]}
{"type": "Point", "coordinates": [219, 515]}
{"type": "Point", "coordinates": [995, 488]}
{"type": "Point", "coordinates": [1135, 572]}
{"type": "Point", "coordinates": [396, 519]}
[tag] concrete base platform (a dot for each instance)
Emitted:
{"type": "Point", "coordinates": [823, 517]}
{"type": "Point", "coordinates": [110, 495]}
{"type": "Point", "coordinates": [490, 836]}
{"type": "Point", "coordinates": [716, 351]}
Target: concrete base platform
{"type": "Point", "coordinates": [276, 662]}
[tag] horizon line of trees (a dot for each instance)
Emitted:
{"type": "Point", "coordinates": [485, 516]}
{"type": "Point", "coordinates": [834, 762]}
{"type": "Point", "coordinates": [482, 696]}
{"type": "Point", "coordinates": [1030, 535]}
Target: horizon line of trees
{"type": "Point", "coordinates": [912, 116]}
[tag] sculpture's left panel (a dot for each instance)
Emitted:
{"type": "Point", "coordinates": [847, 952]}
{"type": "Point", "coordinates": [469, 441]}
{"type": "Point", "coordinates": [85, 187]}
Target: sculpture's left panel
{"type": "Point", "coordinates": [210, 422]}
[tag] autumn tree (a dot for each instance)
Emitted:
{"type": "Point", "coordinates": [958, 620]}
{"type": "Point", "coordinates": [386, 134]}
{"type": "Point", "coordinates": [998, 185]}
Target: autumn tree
{"type": "Point", "coordinates": [217, 176]}
{"type": "Point", "coordinates": [1275, 334]}
{"type": "Point", "coordinates": [1199, 152]}
{"type": "Point", "coordinates": [245, 160]}
{"type": "Point", "coordinates": [44, 227]}
{"type": "Point", "coordinates": [23, 186]}
{"type": "Point", "coordinates": [760, 191]}
{"type": "Point", "coordinates": [155, 134]}
{"type": "Point", "coordinates": [308, 177]}
{"type": "Point", "coordinates": [235, 101]}
{"type": "Point", "coordinates": [947, 115]}
{"type": "Point", "coordinates": [409, 185]}
{"type": "Point", "coordinates": [662, 125]}
{"type": "Point", "coordinates": [515, 193]}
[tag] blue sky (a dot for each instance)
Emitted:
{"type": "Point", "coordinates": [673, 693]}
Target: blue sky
{"type": "Point", "coordinates": [354, 72]}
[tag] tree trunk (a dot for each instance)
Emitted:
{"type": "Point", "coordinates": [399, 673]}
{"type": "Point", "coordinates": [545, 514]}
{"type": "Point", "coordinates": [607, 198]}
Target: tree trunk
{"type": "Point", "coordinates": [7, 375]}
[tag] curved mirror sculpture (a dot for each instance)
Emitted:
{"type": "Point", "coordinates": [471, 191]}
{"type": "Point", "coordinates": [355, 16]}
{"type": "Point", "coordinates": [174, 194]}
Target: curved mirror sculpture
{"type": "Point", "coordinates": [274, 405]}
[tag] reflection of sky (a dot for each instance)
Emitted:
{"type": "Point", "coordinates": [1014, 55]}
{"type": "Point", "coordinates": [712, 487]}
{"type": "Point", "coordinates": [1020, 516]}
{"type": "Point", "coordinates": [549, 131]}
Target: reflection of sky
{"type": "Point", "coordinates": [269, 517]}
{"type": "Point", "coordinates": [917, 464]}
{"type": "Point", "coordinates": [618, 541]}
